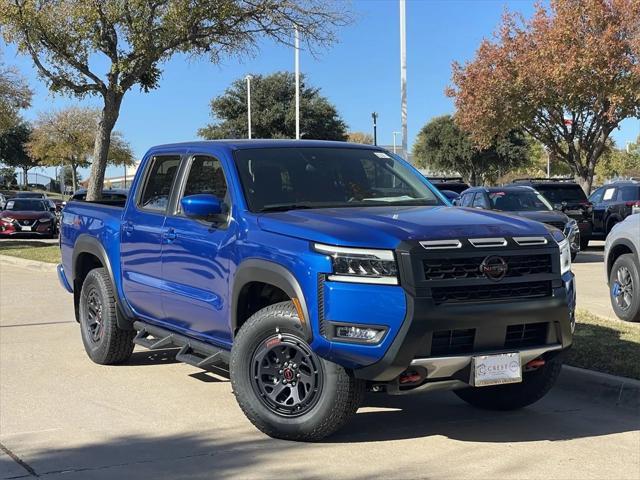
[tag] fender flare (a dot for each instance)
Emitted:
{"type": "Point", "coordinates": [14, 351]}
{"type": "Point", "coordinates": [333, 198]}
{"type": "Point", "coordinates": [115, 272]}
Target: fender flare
{"type": "Point", "coordinates": [256, 270]}
{"type": "Point", "coordinates": [622, 241]}
{"type": "Point", "coordinates": [88, 244]}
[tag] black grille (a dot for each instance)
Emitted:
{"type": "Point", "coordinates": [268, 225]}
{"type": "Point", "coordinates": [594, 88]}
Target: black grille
{"type": "Point", "coordinates": [526, 335]}
{"type": "Point", "coordinates": [558, 225]}
{"type": "Point", "coordinates": [498, 291]}
{"type": "Point", "coordinates": [453, 268]}
{"type": "Point", "coordinates": [26, 222]}
{"type": "Point", "coordinates": [450, 342]}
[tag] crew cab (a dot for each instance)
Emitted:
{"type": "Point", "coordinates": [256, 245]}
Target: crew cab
{"type": "Point", "coordinates": [315, 271]}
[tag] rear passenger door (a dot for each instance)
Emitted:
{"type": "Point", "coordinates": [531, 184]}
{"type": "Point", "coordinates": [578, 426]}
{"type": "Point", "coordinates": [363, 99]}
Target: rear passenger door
{"type": "Point", "coordinates": [141, 234]}
{"type": "Point", "coordinates": [196, 255]}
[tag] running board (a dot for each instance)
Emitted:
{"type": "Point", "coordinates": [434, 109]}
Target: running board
{"type": "Point", "coordinates": [194, 352]}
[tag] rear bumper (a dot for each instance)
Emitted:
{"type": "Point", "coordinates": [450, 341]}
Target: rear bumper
{"type": "Point", "coordinates": [490, 324]}
{"type": "Point", "coordinates": [585, 228]}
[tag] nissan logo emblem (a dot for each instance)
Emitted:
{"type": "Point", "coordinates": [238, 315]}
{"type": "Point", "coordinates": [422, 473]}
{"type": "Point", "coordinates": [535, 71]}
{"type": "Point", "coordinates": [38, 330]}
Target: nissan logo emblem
{"type": "Point", "coordinates": [494, 268]}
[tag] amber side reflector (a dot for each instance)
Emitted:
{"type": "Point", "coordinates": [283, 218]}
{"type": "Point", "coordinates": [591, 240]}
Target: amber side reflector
{"type": "Point", "coordinates": [298, 306]}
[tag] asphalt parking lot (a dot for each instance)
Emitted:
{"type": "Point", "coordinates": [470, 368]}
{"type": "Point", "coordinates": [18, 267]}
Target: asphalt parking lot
{"type": "Point", "coordinates": [62, 416]}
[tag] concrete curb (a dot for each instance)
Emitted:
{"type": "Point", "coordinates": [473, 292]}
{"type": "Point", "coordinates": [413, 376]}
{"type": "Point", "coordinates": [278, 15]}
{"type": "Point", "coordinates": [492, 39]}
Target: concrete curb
{"type": "Point", "coordinates": [24, 263]}
{"type": "Point", "coordinates": [620, 391]}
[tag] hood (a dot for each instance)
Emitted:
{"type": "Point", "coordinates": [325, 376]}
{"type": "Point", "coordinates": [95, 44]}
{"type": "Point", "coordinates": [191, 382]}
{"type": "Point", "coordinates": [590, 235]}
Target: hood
{"type": "Point", "coordinates": [386, 227]}
{"type": "Point", "coordinates": [25, 214]}
{"type": "Point", "coordinates": [544, 216]}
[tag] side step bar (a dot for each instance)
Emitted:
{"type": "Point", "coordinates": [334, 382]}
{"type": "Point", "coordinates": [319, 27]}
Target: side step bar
{"type": "Point", "coordinates": [194, 352]}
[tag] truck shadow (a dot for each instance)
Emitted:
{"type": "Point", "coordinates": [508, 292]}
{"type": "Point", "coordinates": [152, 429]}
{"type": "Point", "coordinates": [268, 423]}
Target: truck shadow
{"type": "Point", "coordinates": [559, 416]}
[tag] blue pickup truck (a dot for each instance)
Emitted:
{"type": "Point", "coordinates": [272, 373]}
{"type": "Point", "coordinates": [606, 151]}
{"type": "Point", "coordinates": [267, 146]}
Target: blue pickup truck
{"type": "Point", "coordinates": [315, 272]}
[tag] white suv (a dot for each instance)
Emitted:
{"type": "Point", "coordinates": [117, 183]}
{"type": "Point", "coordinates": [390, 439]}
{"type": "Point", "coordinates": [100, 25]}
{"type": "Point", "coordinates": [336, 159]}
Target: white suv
{"type": "Point", "coordinates": [622, 263]}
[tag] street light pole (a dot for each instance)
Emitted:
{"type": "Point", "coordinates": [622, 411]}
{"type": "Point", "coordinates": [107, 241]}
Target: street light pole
{"type": "Point", "coordinates": [394, 140]}
{"type": "Point", "coordinates": [374, 115]}
{"type": "Point", "coordinates": [248, 78]}
{"type": "Point", "coordinates": [297, 69]}
{"type": "Point", "coordinates": [403, 76]}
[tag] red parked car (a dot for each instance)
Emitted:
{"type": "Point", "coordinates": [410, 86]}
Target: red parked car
{"type": "Point", "coordinates": [27, 216]}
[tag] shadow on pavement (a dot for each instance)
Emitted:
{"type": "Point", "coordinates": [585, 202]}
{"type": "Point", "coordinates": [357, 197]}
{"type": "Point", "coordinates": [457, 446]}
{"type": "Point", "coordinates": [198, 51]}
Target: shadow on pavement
{"type": "Point", "coordinates": [25, 243]}
{"type": "Point", "coordinates": [443, 414]}
{"type": "Point", "coordinates": [153, 357]}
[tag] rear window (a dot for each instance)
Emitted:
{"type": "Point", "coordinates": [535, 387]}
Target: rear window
{"type": "Point", "coordinates": [562, 193]}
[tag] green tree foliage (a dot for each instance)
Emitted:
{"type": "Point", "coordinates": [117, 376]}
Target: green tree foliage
{"type": "Point", "coordinates": [8, 177]}
{"type": "Point", "coordinates": [67, 137]}
{"type": "Point", "coordinates": [14, 95]}
{"type": "Point", "coordinates": [618, 162]}
{"type": "Point", "coordinates": [273, 111]}
{"type": "Point", "coordinates": [567, 76]}
{"type": "Point", "coordinates": [442, 145]}
{"type": "Point", "coordinates": [13, 149]}
{"type": "Point", "coordinates": [136, 37]}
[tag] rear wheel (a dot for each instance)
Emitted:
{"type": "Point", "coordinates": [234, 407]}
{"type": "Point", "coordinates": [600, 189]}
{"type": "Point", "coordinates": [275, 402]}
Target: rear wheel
{"type": "Point", "coordinates": [533, 387]}
{"type": "Point", "coordinates": [624, 288]}
{"type": "Point", "coordinates": [103, 340]}
{"type": "Point", "coordinates": [282, 386]}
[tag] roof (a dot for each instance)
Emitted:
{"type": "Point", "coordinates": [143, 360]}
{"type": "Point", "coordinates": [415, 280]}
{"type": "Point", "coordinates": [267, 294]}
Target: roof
{"type": "Point", "coordinates": [508, 188]}
{"type": "Point", "coordinates": [242, 144]}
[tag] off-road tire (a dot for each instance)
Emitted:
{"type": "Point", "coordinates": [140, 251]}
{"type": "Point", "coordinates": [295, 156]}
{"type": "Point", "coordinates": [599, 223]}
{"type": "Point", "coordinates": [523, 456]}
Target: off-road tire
{"type": "Point", "coordinates": [338, 399]}
{"type": "Point", "coordinates": [115, 344]}
{"type": "Point", "coordinates": [534, 386]}
{"type": "Point", "coordinates": [632, 313]}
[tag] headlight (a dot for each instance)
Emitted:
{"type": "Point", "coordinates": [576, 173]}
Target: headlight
{"type": "Point", "coordinates": [44, 220]}
{"type": "Point", "coordinates": [7, 219]}
{"type": "Point", "coordinates": [565, 257]}
{"type": "Point", "coordinates": [360, 265]}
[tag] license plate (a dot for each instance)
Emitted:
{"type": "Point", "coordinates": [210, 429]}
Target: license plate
{"type": "Point", "coordinates": [25, 228]}
{"type": "Point", "coordinates": [496, 369]}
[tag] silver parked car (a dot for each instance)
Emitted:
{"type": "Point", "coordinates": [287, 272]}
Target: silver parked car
{"type": "Point", "coordinates": [622, 263]}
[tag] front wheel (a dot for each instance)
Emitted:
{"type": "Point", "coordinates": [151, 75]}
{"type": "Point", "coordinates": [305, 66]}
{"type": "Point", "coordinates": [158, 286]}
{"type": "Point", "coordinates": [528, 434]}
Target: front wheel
{"type": "Point", "coordinates": [624, 288]}
{"type": "Point", "coordinates": [282, 386]}
{"type": "Point", "coordinates": [533, 387]}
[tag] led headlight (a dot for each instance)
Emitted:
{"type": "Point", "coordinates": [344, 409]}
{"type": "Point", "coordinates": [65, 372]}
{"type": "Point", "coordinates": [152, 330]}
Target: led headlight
{"type": "Point", "coordinates": [44, 220]}
{"type": "Point", "coordinates": [565, 256]}
{"type": "Point", "coordinates": [360, 265]}
{"type": "Point", "coordinates": [7, 219]}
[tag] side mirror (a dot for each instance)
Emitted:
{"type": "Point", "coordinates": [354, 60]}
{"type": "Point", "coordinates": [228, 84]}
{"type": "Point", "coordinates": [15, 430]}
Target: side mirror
{"type": "Point", "coordinates": [202, 206]}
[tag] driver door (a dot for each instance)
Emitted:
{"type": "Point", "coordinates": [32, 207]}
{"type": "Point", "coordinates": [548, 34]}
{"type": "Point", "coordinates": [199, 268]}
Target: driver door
{"type": "Point", "coordinates": [196, 257]}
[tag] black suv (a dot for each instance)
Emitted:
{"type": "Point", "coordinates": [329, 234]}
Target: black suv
{"type": "Point", "coordinates": [568, 197]}
{"type": "Point", "coordinates": [612, 203]}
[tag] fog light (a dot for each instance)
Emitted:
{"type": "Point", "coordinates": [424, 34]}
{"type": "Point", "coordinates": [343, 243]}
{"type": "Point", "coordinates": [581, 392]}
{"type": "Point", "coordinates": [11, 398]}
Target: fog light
{"type": "Point", "coordinates": [358, 333]}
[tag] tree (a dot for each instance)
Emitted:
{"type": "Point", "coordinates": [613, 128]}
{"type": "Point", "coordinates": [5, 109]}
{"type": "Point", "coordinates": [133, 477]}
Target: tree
{"type": "Point", "coordinates": [136, 37]}
{"type": "Point", "coordinates": [360, 137]}
{"type": "Point", "coordinates": [273, 111]}
{"type": "Point", "coordinates": [568, 77]}
{"type": "Point", "coordinates": [442, 145]}
{"type": "Point", "coordinates": [13, 151]}
{"type": "Point", "coordinates": [14, 95]}
{"type": "Point", "coordinates": [67, 137]}
{"type": "Point", "coordinates": [8, 177]}
{"type": "Point", "coordinates": [617, 162]}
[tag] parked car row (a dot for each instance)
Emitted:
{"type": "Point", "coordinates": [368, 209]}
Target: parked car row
{"type": "Point", "coordinates": [583, 219]}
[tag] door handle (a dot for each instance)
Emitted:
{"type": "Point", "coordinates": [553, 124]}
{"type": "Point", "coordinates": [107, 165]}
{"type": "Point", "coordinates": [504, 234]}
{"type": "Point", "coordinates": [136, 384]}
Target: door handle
{"type": "Point", "coordinates": [128, 228]}
{"type": "Point", "coordinates": [170, 235]}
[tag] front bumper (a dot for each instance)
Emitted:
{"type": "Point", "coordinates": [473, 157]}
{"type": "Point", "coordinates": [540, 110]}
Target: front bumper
{"type": "Point", "coordinates": [491, 324]}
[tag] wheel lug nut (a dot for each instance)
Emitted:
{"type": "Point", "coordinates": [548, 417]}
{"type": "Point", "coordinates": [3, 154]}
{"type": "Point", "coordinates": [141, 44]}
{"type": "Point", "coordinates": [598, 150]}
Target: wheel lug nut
{"type": "Point", "coordinates": [298, 375]}
{"type": "Point", "coordinates": [280, 371]}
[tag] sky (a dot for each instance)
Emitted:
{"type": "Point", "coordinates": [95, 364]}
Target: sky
{"type": "Point", "coordinates": [359, 74]}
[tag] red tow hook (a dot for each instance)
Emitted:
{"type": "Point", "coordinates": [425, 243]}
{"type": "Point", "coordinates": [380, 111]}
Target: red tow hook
{"type": "Point", "coordinates": [533, 364]}
{"type": "Point", "coordinates": [410, 377]}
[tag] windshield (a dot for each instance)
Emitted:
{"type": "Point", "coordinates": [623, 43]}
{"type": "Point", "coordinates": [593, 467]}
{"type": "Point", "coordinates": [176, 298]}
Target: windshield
{"type": "Point", "coordinates": [26, 205]}
{"type": "Point", "coordinates": [518, 201]}
{"type": "Point", "coordinates": [563, 193]}
{"type": "Point", "coordinates": [288, 178]}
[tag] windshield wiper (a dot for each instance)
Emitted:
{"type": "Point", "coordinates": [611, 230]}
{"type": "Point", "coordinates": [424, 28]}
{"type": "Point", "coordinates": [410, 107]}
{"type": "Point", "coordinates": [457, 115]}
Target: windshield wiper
{"type": "Point", "coordinates": [283, 207]}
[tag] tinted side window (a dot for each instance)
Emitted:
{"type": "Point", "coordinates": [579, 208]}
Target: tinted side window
{"type": "Point", "coordinates": [162, 172]}
{"type": "Point", "coordinates": [626, 194]}
{"type": "Point", "coordinates": [466, 200]}
{"type": "Point", "coordinates": [206, 176]}
{"type": "Point", "coordinates": [480, 201]}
